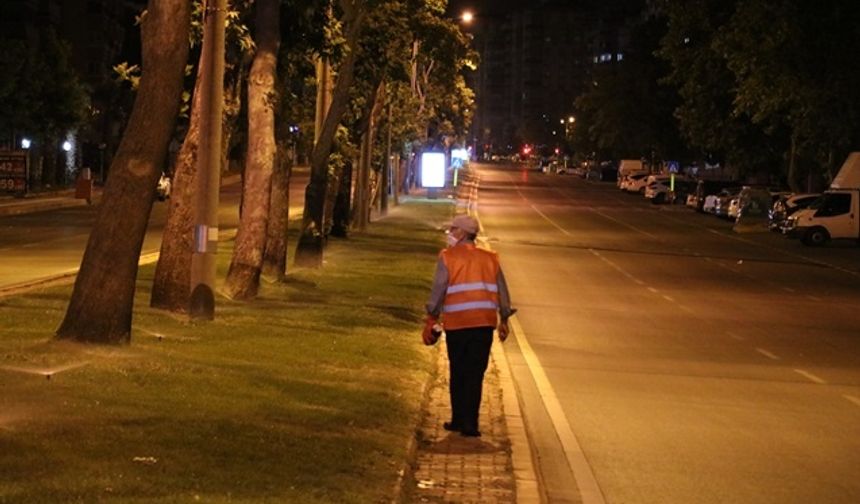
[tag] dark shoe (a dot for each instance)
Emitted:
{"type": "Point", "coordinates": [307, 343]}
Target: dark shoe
{"type": "Point", "coordinates": [451, 426]}
{"type": "Point", "coordinates": [470, 433]}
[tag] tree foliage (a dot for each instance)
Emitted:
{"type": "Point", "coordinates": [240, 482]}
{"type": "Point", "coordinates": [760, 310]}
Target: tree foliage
{"type": "Point", "coordinates": [707, 115]}
{"type": "Point", "coordinates": [767, 81]}
{"type": "Point", "coordinates": [795, 66]}
{"type": "Point", "coordinates": [627, 111]}
{"type": "Point", "coordinates": [40, 92]}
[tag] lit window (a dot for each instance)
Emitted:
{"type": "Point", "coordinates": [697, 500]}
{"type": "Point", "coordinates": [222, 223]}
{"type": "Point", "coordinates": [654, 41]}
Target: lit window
{"type": "Point", "coordinates": [619, 56]}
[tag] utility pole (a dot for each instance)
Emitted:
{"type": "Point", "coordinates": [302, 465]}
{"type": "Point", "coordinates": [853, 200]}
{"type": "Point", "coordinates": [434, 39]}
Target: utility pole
{"type": "Point", "coordinates": [203, 259]}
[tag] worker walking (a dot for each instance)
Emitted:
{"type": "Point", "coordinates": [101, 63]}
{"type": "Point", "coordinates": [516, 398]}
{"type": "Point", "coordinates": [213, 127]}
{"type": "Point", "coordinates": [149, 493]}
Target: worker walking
{"type": "Point", "coordinates": [469, 290]}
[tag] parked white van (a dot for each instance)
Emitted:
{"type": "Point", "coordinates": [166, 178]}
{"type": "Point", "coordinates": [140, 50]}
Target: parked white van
{"type": "Point", "coordinates": [835, 215]}
{"type": "Point", "coordinates": [628, 167]}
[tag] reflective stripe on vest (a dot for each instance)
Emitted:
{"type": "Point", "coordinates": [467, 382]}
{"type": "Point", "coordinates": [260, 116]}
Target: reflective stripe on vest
{"type": "Point", "coordinates": [473, 305]}
{"type": "Point", "coordinates": [453, 289]}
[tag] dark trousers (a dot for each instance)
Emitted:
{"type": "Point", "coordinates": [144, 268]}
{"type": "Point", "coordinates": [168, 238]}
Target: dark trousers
{"type": "Point", "coordinates": [468, 355]}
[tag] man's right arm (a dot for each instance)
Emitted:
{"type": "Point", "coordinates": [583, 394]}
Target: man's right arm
{"type": "Point", "coordinates": [440, 287]}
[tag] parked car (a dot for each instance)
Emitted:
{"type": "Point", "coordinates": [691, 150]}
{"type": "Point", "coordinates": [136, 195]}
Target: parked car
{"type": "Point", "coordinates": [723, 200]}
{"type": "Point", "coordinates": [624, 177]}
{"type": "Point", "coordinates": [764, 200]}
{"type": "Point", "coordinates": [706, 188]}
{"type": "Point", "coordinates": [580, 169]}
{"type": "Point", "coordinates": [692, 200]}
{"type": "Point", "coordinates": [734, 207]}
{"type": "Point", "coordinates": [636, 183]}
{"type": "Point", "coordinates": [162, 190]}
{"type": "Point", "coordinates": [629, 167]}
{"type": "Point", "coordinates": [658, 187]}
{"type": "Point", "coordinates": [710, 203]}
{"type": "Point", "coordinates": [785, 206]}
{"type": "Point", "coordinates": [608, 173]}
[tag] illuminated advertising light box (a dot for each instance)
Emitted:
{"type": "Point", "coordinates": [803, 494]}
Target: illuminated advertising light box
{"type": "Point", "coordinates": [433, 169]}
{"type": "Point", "coordinates": [461, 154]}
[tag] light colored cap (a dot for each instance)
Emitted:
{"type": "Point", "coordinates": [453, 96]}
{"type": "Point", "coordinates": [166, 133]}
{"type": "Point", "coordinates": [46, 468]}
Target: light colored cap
{"type": "Point", "coordinates": [467, 223]}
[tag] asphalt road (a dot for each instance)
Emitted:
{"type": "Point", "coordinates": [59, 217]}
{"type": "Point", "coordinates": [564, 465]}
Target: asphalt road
{"type": "Point", "coordinates": [690, 364]}
{"type": "Point", "coordinates": [46, 244]}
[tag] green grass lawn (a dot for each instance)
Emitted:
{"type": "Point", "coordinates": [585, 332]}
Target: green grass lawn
{"type": "Point", "coordinates": [309, 394]}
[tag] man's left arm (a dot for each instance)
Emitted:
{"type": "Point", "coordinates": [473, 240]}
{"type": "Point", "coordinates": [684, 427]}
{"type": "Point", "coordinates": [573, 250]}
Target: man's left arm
{"type": "Point", "coordinates": [505, 309]}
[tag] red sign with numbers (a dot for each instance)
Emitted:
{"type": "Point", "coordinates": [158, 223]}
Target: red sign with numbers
{"type": "Point", "coordinates": [13, 171]}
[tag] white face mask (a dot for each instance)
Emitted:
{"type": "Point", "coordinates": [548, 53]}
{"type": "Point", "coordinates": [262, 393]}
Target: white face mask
{"type": "Point", "coordinates": [451, 239]}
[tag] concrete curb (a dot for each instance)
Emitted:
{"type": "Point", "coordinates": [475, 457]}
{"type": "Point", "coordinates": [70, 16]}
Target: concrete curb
{"type": "Point", "coordinates": [525, 475]}
{"type": "Point", "coordinates": [39, 205]}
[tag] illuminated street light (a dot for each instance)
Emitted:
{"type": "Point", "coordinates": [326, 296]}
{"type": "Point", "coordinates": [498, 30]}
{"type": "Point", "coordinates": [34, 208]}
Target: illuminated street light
{"type": "Point", "coordinates": [467, 17]}
{"type": "Point", "coordinates": [67, 146]}
{"type": "Point", "coordinates": [25, 143]}
{"type": "Point", "coordinates": [571, 119]}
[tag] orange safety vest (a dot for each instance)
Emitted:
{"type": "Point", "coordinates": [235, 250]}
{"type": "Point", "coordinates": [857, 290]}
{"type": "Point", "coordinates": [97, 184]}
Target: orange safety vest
{"type": "Point", "coordinates": [472, 298]}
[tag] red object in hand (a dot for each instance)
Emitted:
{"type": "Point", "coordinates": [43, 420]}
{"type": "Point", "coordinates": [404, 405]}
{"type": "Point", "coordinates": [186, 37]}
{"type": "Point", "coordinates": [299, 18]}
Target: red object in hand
{"type": "Point", "coordinates": [432, 331]}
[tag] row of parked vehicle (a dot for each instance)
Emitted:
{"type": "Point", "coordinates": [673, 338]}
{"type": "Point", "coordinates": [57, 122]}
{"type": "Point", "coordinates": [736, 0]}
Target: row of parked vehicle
{"type": "Point", "coordinates": [814, 218]}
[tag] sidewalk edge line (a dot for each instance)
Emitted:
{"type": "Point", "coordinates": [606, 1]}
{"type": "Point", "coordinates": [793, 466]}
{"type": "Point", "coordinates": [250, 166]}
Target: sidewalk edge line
{"type": "Point", "coordinates": [525, 475]}
{"type": "Point", "coordinates": [588, 488]}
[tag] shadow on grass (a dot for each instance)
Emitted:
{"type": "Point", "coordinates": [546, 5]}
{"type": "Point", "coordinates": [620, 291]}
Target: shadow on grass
{"type": "Point", "coordinates": [402, 313]}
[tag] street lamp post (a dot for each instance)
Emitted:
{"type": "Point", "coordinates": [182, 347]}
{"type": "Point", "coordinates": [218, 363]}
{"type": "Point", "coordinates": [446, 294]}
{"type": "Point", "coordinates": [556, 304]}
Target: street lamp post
{"type": "Point", "coordinates": [203, 258]}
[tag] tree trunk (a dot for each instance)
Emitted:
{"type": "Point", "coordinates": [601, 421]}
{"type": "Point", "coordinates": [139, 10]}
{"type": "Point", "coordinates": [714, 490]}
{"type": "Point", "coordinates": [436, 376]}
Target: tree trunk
{"type": "Point", "coordinates": [309, 252]}
{"type": "Point", "coordinates": [275, 257]}
{"type": "Point", "coordinates": [243, 277]}
{"type": "Point", "coordinates": [362, 186]}
{"type": "Point", "coordinates": [331, 195]}
{"type": "Point", "coordinates": [386, 167]}
{"type": "Point", "coordinates": [100, 309]}
{"type": "Point", "coordinates": [792, 165]}
{"type": "Point", "coordinates": [395, 190]}
{"type": "Point", "coordinates": [342, 214]}
{"type": "Point", "coordinates": [364, 192]}
{"type": "Point", "coordinates": [171, 285]}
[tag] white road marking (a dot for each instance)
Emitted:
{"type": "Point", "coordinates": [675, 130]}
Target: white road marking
{"type": "Point", "coordinates": [813, 298]}
{"type": "Point", "coordinates": [616, 267]}
{"type": "Point", "coordinates": [687, 309]}
{"type": "Point", "coordinates": [788, 289]}
{"type": "Point", "coordinates": [653, 290]}
{"type": "Point", "coordinates": [735, 336]}
{"type": "Point", "coordinates": [851, 398]}
{"type": "Point", "coordinates": [810, 376]}
{"type": "Point", "coordinates": [585, 480]}
{"type": "Point", "coordinates": [565, 231]}
{"type": "Point", "coordinates": [619, 221]}
{"type": "Point", "coordinates": [767, 354]}
{"type": "Point", "coordinates": [668, 298]}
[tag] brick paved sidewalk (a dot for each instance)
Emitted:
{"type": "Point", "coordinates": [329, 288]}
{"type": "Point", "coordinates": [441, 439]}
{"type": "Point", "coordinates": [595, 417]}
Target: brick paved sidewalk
{"type": "Point", "coordinates": [452, 468]}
